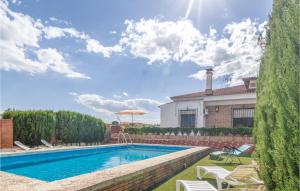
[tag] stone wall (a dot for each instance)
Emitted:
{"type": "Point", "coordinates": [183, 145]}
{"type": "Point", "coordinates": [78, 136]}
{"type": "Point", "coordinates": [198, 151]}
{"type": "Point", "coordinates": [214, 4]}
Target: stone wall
{"type": "Point", "coordinates": [222, 117]}
{"type": "Point", "coordinates": [115, 129]}
{"type": "Point", "coordinates": [6, 133]}
{"type": "Point", "coordinates": [215, 142]}
{"type": "Point", "coordinates": [149, 178]}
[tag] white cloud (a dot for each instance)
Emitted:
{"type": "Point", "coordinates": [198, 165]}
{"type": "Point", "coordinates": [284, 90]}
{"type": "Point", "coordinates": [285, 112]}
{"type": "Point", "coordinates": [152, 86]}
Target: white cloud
{"type": "Point", "coordinates": [162, 41]}
{"type": "Point", "coordinates": [18, 33]}
{"type": "Point", "coordinates": [117, 96]}
{"type": "Point", "coordinates": [95, 46]}
{"type": "Point", "coordinates": [16, 2]}
{"type": "Point", "coordinates": [124, 94]}
{"type": "Point", "coordinates": [92, 45]}
{"type": "Point", "coordinates": [14, 58]}
{"type": "Point", "coordinates": [18, 28]}
{"type": "Point", "coordinates": [110, 106]}
{"type": "Point", "coordinates": [233, 52]}
{"type": "Point", "coordinates": [59, 21]}
{"type": "Point", "coordinates": [19, 37]}
{"type": "Point", "coordinates": [56, 62]}
{"type": "Point", "coordinates": [73, 93]}
{"type": "Point", "coordinates": [236, 53]}
{"type": "Point", "coordinates": [58, 32]}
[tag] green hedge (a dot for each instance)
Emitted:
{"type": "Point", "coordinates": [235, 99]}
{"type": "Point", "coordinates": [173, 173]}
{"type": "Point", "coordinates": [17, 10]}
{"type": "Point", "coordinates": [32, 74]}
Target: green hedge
{"type": "Point", "coordinates": [202, 131]}
{"type": "Point", "coordinates": [75, 127]}
{"type": "Point", "coordinates": [32, 126]}
{"type": "Point", "coordinates": [277, 108]}
{"type": "Point", "coordinates": [64, 126]}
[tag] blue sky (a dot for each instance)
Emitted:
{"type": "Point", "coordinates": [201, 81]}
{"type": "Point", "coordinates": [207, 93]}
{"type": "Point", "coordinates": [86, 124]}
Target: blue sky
{"type": "Point", "coordinates": [99, 57]}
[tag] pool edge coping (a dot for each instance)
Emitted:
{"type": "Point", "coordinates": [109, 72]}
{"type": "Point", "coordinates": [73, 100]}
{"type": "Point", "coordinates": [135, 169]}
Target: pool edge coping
{"type": "Point", "coordinates": [101, 178]}
{"type": "Point", "coordinates": [69, 148]}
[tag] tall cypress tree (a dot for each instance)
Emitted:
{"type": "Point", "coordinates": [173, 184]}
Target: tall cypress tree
{"type": "Point", "coordinates": [277, 109]}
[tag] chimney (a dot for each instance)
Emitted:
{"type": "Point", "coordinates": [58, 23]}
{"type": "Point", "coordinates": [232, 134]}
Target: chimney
{"type": "Point", "coordinates": [209, 73]}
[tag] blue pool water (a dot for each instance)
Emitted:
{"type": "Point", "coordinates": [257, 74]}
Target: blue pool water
{"type": "Point", "coordinates": [56, 165]}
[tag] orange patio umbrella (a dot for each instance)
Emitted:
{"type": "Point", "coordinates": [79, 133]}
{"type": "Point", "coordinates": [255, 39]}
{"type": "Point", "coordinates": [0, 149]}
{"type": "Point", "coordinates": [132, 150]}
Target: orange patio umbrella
{"type": "Point", "coordinates": [131, 112]}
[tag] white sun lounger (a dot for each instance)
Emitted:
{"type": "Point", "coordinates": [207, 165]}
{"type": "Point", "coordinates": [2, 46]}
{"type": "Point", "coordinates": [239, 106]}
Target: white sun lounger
{"type": "Point", "coordinates": [223, 175]}
{"type": "Point", "coordinates": [190, 185]}
{"type": "Point", "coordinates": [46, 143]}
{"type": "Point", "coordinates": [21, 145]}
{"type": "Point", "coordinates": [194, 185]}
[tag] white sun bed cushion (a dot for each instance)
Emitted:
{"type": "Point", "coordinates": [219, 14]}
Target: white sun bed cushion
{"type": "Point", "coordinates": [190, 185]}
{"type": "Point", "coordinates": [214, 170]}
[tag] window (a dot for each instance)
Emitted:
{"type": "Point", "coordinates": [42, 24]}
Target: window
{"type": "Point", "coordinates": [243, 117]}
{"type": "Point", "coordinates": [252, 84]}
{"type": "Point", "coordinates": [187, 118]}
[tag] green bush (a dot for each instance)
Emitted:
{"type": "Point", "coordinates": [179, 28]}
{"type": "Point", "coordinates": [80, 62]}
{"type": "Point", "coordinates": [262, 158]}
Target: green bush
{"type": "Point", "coordinates": [75, 127]}
{"type": "Point", "coordinates": [32, 126]}
{"type": "Point", "coordinates": [202, 131]}
{"type": "Point", "coordinates": [115, 123]}
{"type": "Point", "coordinates": [65, 126]}
{"type": "Point", "coordinates": [277, 110]}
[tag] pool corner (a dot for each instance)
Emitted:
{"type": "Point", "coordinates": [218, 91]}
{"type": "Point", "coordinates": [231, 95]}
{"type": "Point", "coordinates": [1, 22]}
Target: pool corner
{"type": "Point", "coordinates": [140, 175]}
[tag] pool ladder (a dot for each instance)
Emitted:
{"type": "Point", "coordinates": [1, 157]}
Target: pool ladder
{"type": "Point", "coordinates": [124, 138]}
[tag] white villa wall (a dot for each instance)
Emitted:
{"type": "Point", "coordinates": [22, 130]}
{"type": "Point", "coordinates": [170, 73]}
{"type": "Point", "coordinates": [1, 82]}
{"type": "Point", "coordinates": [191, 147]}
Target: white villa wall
{"type": "Point", "coordinates": [169, 113]}
{"type": "Point", "coordinates": [168, 117]}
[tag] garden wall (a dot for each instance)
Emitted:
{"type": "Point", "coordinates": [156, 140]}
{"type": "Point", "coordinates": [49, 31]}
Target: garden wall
{"type": "Point", "coordinates": [6, 133]}
{"type": "Point", "coordinates": [215, 142]}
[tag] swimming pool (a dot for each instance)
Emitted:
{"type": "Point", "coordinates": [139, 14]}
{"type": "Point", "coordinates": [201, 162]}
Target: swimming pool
{"type": "Point", "coordinates": [57, 165]}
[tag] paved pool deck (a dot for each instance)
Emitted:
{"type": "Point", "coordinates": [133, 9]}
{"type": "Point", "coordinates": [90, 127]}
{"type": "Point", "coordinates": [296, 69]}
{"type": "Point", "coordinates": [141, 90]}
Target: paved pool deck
{"type": "Point", "coordinates": [140, 173]}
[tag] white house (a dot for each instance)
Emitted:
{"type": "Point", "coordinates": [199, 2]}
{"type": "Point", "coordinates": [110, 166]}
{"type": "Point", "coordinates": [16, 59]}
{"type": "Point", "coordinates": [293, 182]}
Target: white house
{"type": "Point", "coordinates": [225, 107]}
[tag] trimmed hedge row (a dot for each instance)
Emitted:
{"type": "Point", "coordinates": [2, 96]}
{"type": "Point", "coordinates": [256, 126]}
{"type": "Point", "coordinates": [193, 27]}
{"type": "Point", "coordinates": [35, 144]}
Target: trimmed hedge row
{"type": "Point", "coordinates": [276, 129]}
{"type": "Point", "coordinates": [75, 127]}
{"type": "Point", "coordinates": [32, 126]}
{"type": "Point", "coordinates": [64, 126]}
{"type": "Point", "coordinates": [202, 131]}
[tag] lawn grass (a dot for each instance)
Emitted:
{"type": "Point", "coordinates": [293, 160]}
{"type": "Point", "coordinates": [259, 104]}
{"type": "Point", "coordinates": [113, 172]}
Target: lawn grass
{"type": "Point", "coordinates": [190, 173]}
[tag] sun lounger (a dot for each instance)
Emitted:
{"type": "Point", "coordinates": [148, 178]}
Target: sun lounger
{"type": "Point", "coordinates": [21, 145]}
{"type": "Point", "coordinates": [190, 185]}
{"type": "Point", "coordinates": [231, 153]}
{"type": "Point", "coordinates": [46, 143]}
{"type": "Point", "coordinates": [194, 185]}
{"type": "Point", "coordinates": [243, 175]}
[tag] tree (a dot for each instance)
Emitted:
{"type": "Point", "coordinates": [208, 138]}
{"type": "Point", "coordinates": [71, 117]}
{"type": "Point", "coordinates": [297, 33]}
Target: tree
{"type": "Point", "coordinates": [277, 110]}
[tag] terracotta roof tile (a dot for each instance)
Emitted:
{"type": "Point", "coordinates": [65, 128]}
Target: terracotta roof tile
{"type": "Point", "coordinates": [217, 92]}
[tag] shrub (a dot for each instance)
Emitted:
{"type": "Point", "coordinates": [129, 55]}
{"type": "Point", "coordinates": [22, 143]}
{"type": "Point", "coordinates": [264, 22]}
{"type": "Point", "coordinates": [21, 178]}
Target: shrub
{"type": "Point", "coordinates": [65, 126]}
{"type": "Point", "coordinates": [75, 127]}
{"type": "Point", "coordinates": [277, 110]}
{"type": "Point", "coordinates": [202, 131]}
{"type": "Point", "coordinates": [115, 123]}
{"type": "Point", "coordinates": [32, 126]}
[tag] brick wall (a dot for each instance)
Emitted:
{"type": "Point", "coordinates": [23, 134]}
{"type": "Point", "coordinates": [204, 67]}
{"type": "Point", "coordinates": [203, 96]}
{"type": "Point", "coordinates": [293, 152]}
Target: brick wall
{"type": "Point", "coordinates": [149, 178]}
{"type": "Point", "coordinates": [115, 129]}
{"type": "Point", "coordinates": [222, 117]}
{"type": "Point", "coordinates": [215, 142]}
{"type": "Point", "coordinates": [6, 133]}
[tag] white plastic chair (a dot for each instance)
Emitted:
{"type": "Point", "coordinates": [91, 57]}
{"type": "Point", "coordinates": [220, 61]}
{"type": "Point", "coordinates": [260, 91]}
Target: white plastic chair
{"type": "Point", "coordinates": [190, 185]}
{"type": "Point", "coordinates": [21, 145]}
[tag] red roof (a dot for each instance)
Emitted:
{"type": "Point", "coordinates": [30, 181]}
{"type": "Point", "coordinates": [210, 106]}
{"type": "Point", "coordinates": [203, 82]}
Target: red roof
{"type": "Point", "coordinates": [240, 89]}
